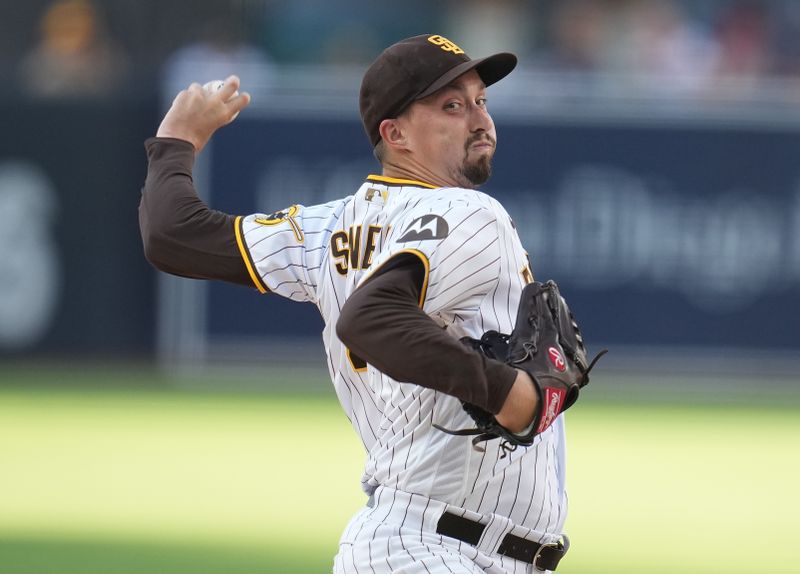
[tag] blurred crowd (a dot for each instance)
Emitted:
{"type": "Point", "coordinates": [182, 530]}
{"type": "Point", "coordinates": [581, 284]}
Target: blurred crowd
{"type": "Point", "coordinates": [89, 48]}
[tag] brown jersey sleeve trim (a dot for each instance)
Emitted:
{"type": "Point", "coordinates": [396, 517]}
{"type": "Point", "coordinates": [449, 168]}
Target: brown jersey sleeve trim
{"type": "Point", "coordinates": [398, 259]}
{"type": "Point", "coordinates": [423, 290]}
{"type": "Point", "coordinates": [358, 364]}
{"type": "Point", "coordinates": [248, 260]}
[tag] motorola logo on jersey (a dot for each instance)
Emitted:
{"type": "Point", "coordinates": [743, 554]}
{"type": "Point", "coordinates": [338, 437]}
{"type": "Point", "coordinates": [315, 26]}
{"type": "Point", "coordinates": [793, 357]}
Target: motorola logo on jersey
{"type": "Point", "coordinates": [426, 227]}
{"type": "Point", "coordinates": [557, 359]}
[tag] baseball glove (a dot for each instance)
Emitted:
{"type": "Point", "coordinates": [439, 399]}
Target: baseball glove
{"type": "Point", "coordinates": [546, 343]}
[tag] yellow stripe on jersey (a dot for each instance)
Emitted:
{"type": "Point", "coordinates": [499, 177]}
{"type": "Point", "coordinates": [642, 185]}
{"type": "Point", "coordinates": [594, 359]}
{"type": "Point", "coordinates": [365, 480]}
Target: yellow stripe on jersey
{"type": "Point", "coordinates": [237, 225]}
{"type": "Point", "coordinates": [358, 364]}
{"type": "Point", "coordinates": [395, 180]}
{"type": "Point", "coordinates": [424, 258]}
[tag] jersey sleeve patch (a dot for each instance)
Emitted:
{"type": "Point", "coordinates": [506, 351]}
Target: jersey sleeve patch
{"type": "Point", "coordinates": [284, 249]}
{"type": "Point", "coordinates": [288, 215]}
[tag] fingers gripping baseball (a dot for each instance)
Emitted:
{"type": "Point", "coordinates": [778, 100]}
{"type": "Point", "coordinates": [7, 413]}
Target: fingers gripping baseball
{"type": "Point", "coordinates": [198, 111]}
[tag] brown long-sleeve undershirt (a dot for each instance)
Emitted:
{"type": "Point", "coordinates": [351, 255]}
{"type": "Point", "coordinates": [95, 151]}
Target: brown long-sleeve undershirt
{"type": "Point", "coordinates": [181, 235]}
{"type": "Point", "coordinates": [381, 322]}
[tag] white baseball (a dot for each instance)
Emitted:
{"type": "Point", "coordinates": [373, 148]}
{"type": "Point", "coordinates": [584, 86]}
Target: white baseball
{"type": "Point", "coordinates": [216, 85]}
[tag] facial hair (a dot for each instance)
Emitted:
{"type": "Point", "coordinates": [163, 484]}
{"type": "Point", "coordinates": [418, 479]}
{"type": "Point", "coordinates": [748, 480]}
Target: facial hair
{"type": "Point", "coordinates": [477, 172]}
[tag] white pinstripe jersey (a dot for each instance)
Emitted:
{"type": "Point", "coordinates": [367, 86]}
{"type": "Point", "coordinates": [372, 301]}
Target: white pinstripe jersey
{"type": "Point", "coordinates": [475, 270]}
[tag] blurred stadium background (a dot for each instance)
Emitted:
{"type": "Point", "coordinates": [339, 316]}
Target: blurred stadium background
{"type": "Point", "coordinates": [648, 153]}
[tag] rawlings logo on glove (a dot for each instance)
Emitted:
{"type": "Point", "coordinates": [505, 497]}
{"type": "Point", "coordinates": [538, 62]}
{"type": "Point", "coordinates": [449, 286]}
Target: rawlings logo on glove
{"type": "Point", "coordinates": [552, 407]}
{"type": "Point", "coordinates": [547, 344]}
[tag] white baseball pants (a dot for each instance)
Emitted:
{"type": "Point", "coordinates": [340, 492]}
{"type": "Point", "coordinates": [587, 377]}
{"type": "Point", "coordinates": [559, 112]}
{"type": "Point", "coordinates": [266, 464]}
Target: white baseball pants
{"type": "Point", "coordinates": [397, 534]}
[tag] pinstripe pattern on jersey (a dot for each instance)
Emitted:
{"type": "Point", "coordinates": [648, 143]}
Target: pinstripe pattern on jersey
{"type": "Point", "coordinates": [473, 285]}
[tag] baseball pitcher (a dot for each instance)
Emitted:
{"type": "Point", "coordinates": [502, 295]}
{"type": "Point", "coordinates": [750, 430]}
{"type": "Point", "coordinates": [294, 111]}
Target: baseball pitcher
{"type": "Point", "coordinates": [451, 362]}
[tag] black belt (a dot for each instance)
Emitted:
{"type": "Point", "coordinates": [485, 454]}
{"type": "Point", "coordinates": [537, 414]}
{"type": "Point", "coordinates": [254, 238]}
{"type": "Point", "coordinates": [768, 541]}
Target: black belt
{"type": "Point", "coordinates": [542, 556]}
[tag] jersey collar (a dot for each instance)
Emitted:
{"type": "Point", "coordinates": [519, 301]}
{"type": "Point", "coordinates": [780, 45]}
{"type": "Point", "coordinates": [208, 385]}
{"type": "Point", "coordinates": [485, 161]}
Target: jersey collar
{"type": "Point", "coordinates": [386, 180]}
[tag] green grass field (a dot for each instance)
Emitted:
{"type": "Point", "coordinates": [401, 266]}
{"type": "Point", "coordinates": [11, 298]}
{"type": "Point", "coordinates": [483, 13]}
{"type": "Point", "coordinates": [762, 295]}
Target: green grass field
{"type": "Point", "coordinates": [122, 473]}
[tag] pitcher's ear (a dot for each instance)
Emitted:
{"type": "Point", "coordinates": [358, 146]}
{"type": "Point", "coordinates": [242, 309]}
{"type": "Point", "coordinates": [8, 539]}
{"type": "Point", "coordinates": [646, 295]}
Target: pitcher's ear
{"type": "Point", "coordinates": [392, 133]}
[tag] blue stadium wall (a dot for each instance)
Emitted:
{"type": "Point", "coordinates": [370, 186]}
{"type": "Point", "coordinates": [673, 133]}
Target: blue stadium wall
{"type": "Point", "coordinates": [679, 236]}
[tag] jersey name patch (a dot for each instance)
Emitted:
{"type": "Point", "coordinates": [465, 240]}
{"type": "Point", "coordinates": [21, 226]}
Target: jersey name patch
{"type": "Point", "coordinates": [353, 249]}
{"type": "Point", "coordinates": [426, 227]}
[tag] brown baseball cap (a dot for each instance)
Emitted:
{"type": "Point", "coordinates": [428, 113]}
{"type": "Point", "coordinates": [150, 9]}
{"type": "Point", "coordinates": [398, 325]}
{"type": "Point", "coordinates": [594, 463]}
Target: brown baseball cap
{"type": "Point", "coordinates": [417, 67]}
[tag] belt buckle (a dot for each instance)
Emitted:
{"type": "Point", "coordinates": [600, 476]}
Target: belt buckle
{"type": "Point", "coordinates": [562, 545]}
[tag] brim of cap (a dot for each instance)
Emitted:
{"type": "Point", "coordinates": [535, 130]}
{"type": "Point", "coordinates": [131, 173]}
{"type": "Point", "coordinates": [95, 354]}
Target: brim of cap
{"type": "Point", "coordinates": [491, 69]}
